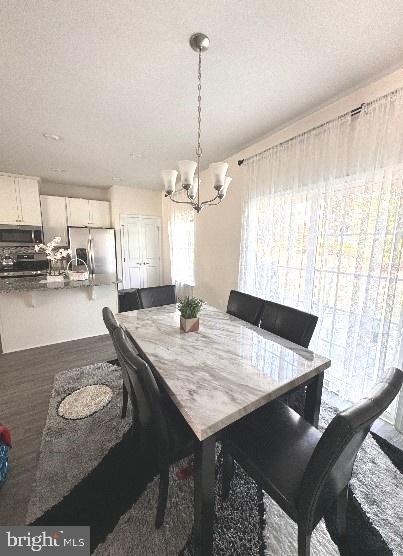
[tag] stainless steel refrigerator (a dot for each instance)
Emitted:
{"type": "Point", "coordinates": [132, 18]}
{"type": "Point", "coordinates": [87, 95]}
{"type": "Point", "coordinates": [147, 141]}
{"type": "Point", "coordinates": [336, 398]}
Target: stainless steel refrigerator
{"type": "Point", "coordinates": [95, 246]}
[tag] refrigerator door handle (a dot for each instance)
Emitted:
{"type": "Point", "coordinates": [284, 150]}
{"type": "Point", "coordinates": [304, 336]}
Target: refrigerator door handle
{"type": "Point", "coordinates": [90, 256]}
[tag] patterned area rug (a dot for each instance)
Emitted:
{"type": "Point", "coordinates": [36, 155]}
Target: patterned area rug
{"type": "Point", "coordinates": [91, 472]}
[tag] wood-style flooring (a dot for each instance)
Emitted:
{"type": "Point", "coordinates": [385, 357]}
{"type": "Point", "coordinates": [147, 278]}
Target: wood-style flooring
{"type": "Point", "coordinates": [26, 380]}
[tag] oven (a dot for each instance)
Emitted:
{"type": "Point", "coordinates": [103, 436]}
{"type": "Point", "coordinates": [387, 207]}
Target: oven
{"type": "Point", "coordinates": [20, 236]}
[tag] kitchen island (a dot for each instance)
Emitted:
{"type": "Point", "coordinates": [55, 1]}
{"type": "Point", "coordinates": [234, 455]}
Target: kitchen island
{"type": "Point", "coordinates": [35, 312]}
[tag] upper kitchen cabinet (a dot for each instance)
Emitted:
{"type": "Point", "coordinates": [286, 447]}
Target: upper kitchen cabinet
{"type": "Point", "coordinates": [54, 218]}
{"type": "Point", "coordinates": [83, 212]}
{"type": "Point", "coordinates": [100, 214]}
{"type": "Point", "coordinates": [19, 201]}
{"type": "Point", "coordinates": [78, 213]}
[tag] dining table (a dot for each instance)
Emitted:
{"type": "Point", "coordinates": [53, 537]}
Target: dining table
{"type": "Point", "coordinates": [216, 376]}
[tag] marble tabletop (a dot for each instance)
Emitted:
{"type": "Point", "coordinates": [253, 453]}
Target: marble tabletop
{"type": "Point", "coordinates": [23, 284]}
{"type": "Point", "coordinates": [224, 371]}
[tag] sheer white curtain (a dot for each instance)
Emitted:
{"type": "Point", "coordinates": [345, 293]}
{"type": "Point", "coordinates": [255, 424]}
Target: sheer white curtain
{"type": "Point", "coordinates": [181, 243]}
{"type": "Point", "coordinates": [322, 231]}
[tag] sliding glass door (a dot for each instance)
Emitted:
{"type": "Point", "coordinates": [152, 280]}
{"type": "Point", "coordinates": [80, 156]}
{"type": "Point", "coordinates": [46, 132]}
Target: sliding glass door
{"type": "Point", "coordinates": [322, 231]}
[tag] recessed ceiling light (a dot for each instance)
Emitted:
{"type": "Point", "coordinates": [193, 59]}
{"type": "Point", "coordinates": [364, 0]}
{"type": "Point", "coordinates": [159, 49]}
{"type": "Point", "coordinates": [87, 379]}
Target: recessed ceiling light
{"type": "Point", "coordinates": [135, 155]}
{"type": "Point", "coordinates": [116, 178]}
{"type": "Point", "coordinates": [52, 137]}
{"type": "Point", "coordinates": [58, 170]}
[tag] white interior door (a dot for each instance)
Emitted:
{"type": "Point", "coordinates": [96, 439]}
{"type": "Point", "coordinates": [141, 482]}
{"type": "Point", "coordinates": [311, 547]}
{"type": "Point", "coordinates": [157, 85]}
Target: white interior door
{"type": "Point", "coordinates": [141, 251]}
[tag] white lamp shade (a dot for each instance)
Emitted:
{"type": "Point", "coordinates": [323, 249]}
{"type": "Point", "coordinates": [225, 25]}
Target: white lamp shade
{"type": "Point", "coordinates": [187, 170]}
{"type": "Point", "coordinates": [218, 171]}
{"type": "Point", "coordinates": [223, 191]}
{"type": "Point", "coordinates": [169, 178]}
{"type": "Point", "coordinates": [193, 189]}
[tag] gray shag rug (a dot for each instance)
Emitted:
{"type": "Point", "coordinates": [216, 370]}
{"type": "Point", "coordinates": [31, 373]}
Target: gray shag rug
{"type": "Point", "coordinates": [91, 472]}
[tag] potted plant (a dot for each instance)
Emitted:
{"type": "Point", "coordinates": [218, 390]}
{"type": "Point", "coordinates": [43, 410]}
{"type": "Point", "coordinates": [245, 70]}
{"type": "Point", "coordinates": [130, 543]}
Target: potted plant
{"type": "Point", "coordinates": [57, 259]}
{"type": "Point", "coordinates": [189, 308]}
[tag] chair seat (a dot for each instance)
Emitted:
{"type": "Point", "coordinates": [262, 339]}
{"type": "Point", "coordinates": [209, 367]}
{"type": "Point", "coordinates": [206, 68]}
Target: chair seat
{"type": "Point", "coordinates": [182, 440]}
{"type": "Point", "coordinates": [274, 445]}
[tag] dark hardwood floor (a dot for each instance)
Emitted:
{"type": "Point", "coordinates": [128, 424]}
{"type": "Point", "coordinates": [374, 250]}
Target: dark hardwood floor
{"type": "Point", "coordinates": [26, 380]}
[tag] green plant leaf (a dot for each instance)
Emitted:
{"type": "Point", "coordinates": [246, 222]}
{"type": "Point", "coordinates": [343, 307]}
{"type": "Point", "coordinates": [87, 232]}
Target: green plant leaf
{"type": "Point", "coordinates": [190, 307]}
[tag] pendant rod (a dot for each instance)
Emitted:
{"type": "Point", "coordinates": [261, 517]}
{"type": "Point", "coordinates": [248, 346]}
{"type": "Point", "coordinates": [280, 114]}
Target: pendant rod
{"type": "Point", "coordinates": [198, 149]}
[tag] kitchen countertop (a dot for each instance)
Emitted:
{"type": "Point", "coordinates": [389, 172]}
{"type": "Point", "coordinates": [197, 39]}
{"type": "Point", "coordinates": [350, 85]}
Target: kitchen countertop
{"type": "Point", "coordinates": [12, 285]}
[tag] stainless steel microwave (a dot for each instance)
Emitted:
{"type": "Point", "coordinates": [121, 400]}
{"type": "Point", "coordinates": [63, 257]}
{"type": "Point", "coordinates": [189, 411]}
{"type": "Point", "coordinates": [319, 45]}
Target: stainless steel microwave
{"type": "Point", "coordinates": [20, 236]}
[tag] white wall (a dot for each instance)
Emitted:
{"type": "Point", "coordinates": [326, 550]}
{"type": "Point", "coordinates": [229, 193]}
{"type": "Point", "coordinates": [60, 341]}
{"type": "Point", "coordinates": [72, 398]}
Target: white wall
{"type": "Point", "coordinates": [132, 201]}
{"type": "Point", "coordinates": [77, 191]}
{"type": "Point", "coordinates": [218, 229]}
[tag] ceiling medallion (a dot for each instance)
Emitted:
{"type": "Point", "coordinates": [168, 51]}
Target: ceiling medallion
{"type": "Point", "coordinates": [188, 168]}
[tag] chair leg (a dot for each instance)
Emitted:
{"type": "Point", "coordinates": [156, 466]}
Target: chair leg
{"type": "Point", "coordinates": [341, 515]}
{"type": "Point", "coordinates": [162, 498]}
{"type": "Point", "coordinates": [304, 542]}
{"type": "Point", "coordinates": [227, 472]}
{"type": "Point", "coordinates": [125, 399]}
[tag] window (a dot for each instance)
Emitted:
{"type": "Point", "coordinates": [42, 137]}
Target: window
{"type": "Point", "coordinates": [322, 231]}
{"type": "Point", "coordinates": [181, 239]}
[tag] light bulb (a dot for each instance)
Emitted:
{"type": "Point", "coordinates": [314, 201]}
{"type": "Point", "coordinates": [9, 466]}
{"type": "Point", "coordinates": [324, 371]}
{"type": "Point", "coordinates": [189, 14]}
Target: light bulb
{"type": "Point", "coordinates": [187, 170]}
{"type": "Point", "coordinates": [218, 171]}
{"type": "Point", "coordinates": [223, 191]}
{"type": "Point", "coordinates": [169, 179]}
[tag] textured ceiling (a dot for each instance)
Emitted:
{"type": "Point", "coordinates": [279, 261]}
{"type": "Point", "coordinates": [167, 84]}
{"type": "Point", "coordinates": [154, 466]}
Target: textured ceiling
{"type": "Point", "coordinates": [118, 77]}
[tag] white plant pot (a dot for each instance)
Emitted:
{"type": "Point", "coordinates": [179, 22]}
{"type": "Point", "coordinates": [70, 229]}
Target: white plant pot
{"type": "Point", "coordinates": [189, 325]}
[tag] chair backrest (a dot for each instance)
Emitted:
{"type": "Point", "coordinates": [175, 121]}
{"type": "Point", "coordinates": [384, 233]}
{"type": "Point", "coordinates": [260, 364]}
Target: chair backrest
{"type": "Point", "coordinates": [128, 300]}
{"type": "Point", "coordinates": [244, 306]}
{"type": "Point", "coordinates": [289, 323]}
{"type": "Point", "coordinates": [145, 398]}
{"type": "Point", "coordinates": [157, 296]}
{"type": "Point", "coordinates": [112, 325]}
{"type": "Point", "coordinates": [330, 467]}
{"type": "Point", "coordinates": [109, 320]}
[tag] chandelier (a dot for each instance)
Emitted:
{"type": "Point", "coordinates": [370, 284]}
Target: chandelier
{"type": "Point", "coordinates": [189, 182]}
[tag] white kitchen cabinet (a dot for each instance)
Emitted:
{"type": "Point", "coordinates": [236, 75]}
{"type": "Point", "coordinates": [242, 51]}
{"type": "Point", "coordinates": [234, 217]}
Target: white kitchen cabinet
{"type": "Point", "coordinates": [19, 201]}
{"type": "Point", "coordinates": [29, 201]}
{"type": "Point", "coordinates": [78, 212]}
{"type": "Point", "coordinates": [9, 204]}
{"type": "Point", "coordinates": [54, 218]}
{"type": "Point", "coordinates": [84, 212]}
{"type": "Point", "coordinates": [100, 214]}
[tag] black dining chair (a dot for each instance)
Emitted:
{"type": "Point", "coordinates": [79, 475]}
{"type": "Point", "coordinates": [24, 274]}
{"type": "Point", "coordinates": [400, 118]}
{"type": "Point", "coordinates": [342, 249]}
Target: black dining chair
{"type": "Point", "coordinates": [112, 325]}
{"type": "Point", "coordinates": [289, 323]}
{"type": "Point", "coordinates": [162, 431]}
{"type": "Point", "coordinates": [293, 325]}
{"type": "Point", "coordinates": [128, 300]}
{"type": "Point", "coordinates": [244, 306]}
{"type": "Point", "coordinates": [305, 472]}
{"type": "Point", "coordinates": [157, 296]}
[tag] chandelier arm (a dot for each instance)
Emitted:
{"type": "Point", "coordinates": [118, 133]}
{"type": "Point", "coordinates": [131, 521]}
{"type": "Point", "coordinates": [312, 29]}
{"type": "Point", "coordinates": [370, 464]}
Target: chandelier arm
{"type": "Point", "coordinates": [179, 202]}
{"type": "Point", "coordinates": [209, 201]}
{"type": "Point", "coordinates": [215, 204]}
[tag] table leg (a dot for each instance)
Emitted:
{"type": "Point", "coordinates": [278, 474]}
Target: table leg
{"type": "Point", "coordinates": [313, 399]}
{"type": "Point", "coordinates": [204, 480]}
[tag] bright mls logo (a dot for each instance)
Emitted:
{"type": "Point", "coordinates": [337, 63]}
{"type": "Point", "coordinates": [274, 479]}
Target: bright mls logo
{"type": "Point", "coordinates": [66, 541]}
